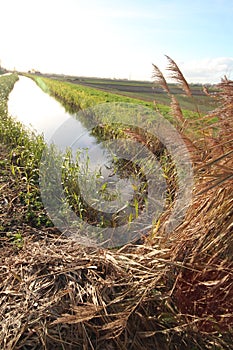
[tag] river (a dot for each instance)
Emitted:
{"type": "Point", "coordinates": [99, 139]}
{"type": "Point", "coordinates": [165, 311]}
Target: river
{"type": "Point", "coordinates": [113, 189]}
{"type": "Point", "coordinates": [41, 113]}
{"type": "Point", "coordinates": [36, 109]}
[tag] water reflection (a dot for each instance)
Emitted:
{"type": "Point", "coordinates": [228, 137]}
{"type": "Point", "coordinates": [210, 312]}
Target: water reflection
{"type": "Point", "coordinates": [43, 114]}
{"type": "Point", "coordinates": [35, 109]}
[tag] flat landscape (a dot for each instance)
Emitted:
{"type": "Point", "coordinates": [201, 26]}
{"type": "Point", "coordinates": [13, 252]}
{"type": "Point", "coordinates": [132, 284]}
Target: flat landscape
{"type": "Point", "coordinates": [146, 91]}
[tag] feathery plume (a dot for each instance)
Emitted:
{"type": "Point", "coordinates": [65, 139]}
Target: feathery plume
{"type": "Point", "coordinates": [178, 76]}
{"type": "Point", "coordinates": [159, 79]}
{"type": "Point", "coordinates": [205, 90]}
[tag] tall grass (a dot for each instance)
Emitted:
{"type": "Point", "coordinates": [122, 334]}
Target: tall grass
{"type": "Point", "coordinates": [25, 151]}
{"type": "Point", "coordinates": [203, 290]}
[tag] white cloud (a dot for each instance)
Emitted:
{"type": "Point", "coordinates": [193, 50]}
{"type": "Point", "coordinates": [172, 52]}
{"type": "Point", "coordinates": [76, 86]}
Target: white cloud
{"type": "Point", "coordinates": [209, 70]}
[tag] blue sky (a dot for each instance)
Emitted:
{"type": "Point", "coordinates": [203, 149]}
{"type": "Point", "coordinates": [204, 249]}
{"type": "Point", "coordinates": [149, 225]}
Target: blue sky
{"type": "Point", "coordinates": [119, 38]}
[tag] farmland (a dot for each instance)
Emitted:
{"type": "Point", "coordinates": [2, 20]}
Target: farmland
{"type": "Point", "coordinates": [145, 91]}
{"type": "Point", "coordinates": [167, 292]}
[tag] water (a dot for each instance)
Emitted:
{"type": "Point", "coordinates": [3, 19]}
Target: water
{"type": "Point", "coordinates": [35, 109]}
{"type": "Point", "coordinates": [43, 114]}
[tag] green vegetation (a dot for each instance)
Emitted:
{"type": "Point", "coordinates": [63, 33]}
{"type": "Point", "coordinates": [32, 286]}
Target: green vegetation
{"type": "Point", "coordinates": [144, 91]}
{"type": "Point", "coordinates": [25, 150]}
{"type": "Point", "coordinates": [75, 97]}
{"type": "Point", "coordinates": [2, 70]}
{"type": "Point", "coordinates": [25, 156]}
{"type": "Point", "coordinates": [80, 97]}
{"type": "Point", "coordinates": [169, 292]}
{"type": "Point", "coordinates": [6, 85]}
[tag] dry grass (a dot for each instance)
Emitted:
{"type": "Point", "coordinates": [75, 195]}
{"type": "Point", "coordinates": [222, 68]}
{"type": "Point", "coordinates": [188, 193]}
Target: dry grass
{"type": "Point", "coordinates": [203, 292]}
{"type": "Point", "coordinates": [169, 293]}
{"type": "Point", "coordinates": [57, 293]}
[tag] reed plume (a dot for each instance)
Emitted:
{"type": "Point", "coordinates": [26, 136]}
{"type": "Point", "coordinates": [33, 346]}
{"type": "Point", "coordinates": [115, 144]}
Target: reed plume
{"type": "Point", "coordinates": [159, 79]}
{"type": "Point", "coordinates": [177, 75]}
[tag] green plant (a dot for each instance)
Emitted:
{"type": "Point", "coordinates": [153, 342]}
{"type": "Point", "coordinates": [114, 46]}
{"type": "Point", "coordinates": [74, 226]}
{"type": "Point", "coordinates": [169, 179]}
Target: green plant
{"type": "Point", "coordinates": [16, 239]}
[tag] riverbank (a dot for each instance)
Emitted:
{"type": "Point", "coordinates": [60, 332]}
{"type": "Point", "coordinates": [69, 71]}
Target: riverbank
{"type": "Point", "coordinates": [19, 221]}
{"type": "Point", "coordinates": [51, 283]}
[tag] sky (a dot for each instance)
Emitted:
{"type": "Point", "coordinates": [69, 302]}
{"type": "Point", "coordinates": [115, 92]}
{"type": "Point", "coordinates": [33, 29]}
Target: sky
{"type": "Point", "coordinates": [118, 38]}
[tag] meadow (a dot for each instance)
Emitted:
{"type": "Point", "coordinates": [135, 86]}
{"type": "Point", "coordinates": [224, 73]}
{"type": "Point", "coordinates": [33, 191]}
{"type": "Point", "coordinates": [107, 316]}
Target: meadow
{"type": "Point", "coordinates": [166, 291]}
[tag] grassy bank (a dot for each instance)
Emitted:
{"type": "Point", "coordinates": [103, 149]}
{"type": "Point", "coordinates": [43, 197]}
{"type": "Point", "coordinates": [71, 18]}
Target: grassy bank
{"type": "Point", "coordinates": [81, 97]}
{"type": "Point", "coordinates": [169, 293]}
{"type": "Point", "coordinates": [19, 170]}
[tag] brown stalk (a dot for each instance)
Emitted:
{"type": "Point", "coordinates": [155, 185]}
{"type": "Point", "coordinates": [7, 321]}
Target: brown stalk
{"type": "Point", "coordinates": [175, 106]}
{"type": "Point", "coordinates": [159, 79]}
{"type": "Point", "coordinates": [176, 110]}
{"type": "Point", "coordinates": [177, 75]}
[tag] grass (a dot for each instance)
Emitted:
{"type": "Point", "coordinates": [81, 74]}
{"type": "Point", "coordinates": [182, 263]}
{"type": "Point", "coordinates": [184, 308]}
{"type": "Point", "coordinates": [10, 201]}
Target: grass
{"type": "Point", "coordinates": [145, 91]}
{"type": "Point", "coordinates": [171, 292]}
{"type": "Point", "coordinates": [21, 168]}
{"type": "Point", "coordinates": [81, 96]}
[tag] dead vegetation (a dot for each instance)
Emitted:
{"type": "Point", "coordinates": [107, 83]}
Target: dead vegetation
{"type": "Point", "coordinates": [169, 293]}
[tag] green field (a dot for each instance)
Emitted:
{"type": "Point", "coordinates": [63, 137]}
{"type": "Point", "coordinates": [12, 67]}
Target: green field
{"type": "Point", "coordinates": [145, 91]}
